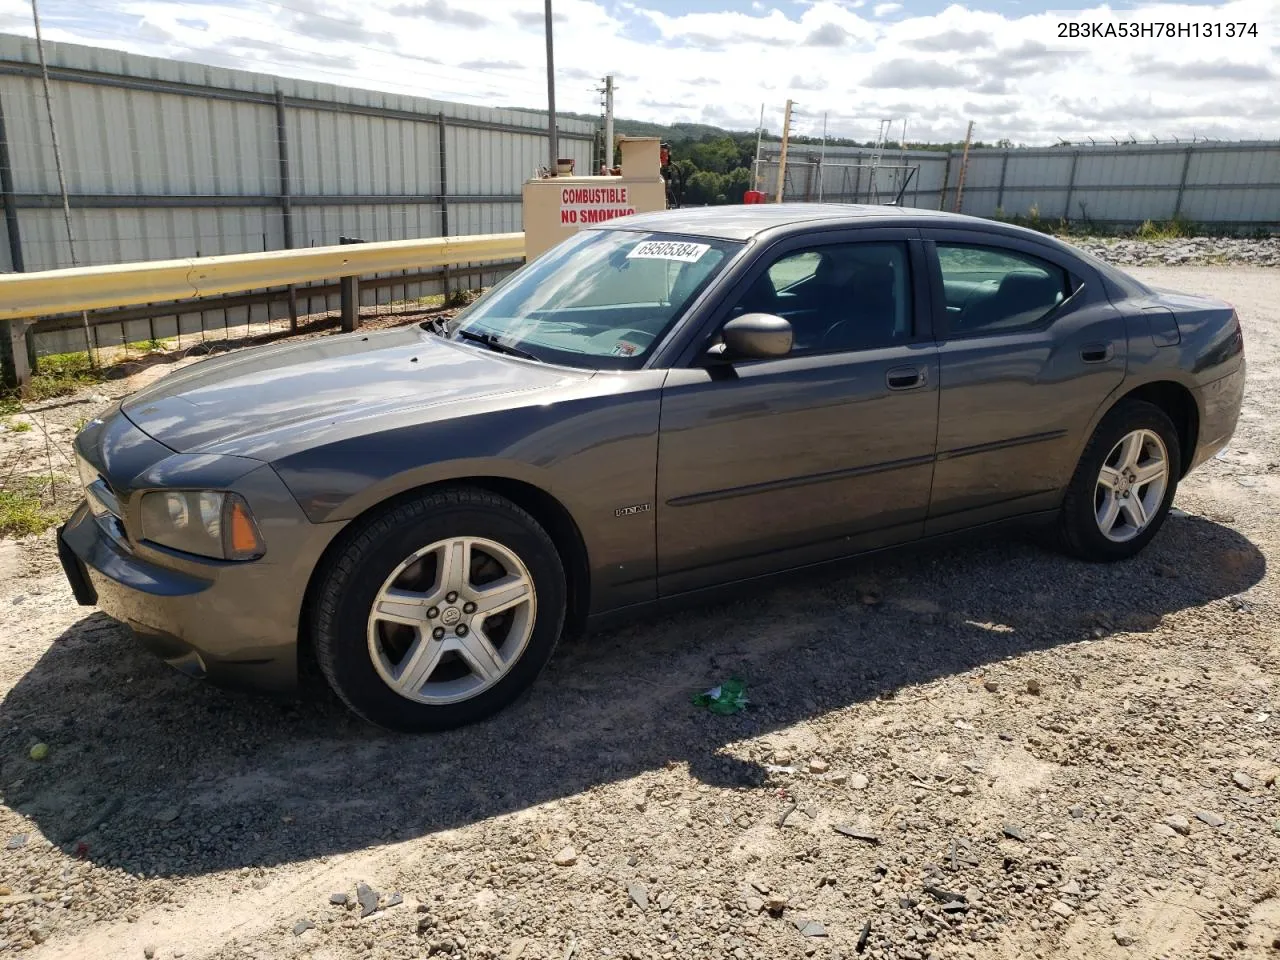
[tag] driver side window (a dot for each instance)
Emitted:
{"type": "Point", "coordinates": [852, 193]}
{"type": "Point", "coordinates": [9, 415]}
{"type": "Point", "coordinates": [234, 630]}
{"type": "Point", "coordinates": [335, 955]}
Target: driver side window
{"type": "Point", "coordinates": [837, 297]}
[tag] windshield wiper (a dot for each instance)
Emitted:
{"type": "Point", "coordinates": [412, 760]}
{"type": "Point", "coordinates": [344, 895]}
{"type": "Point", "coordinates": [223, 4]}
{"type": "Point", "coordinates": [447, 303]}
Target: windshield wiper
{"type": "Point", "coordinates": [491, 341]}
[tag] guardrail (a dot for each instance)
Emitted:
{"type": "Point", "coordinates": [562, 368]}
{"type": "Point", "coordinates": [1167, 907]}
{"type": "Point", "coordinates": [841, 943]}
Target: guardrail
{"type": "Point", "coordinates": [29, 295]}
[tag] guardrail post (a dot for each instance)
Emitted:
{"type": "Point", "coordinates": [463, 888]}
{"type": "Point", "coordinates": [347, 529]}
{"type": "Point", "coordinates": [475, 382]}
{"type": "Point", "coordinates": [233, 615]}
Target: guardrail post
{"type": "Point", "coordinates": [13, 352]}
{"type": "Point", "coordinates": [350, 294]}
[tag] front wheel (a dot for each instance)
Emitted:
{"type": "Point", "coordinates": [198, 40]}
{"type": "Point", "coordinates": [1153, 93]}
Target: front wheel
{"type": "Point", "coordinates": [1123, 485]}
{"type": "Point", "coordinates": [439, 611]}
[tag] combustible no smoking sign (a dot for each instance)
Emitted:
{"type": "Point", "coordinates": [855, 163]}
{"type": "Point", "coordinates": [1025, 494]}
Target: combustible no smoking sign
{"type": "Point", "coordinates": [581, 205]}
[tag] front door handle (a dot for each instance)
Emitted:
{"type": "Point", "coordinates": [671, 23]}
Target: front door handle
{"type": "Point", "coordinates": [905, 378]}
{"type": "Point", "coordinates": [1096, 352]}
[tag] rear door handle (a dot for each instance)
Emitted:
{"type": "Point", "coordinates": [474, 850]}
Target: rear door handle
{"type": "Point", "coordinates": [1096, 352]}
{"type": "Point", "coordinates": [905, 378]}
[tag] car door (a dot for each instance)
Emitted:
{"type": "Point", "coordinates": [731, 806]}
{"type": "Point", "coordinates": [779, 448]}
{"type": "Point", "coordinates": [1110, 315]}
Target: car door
{"type": "Point", "coordinates": [1029, 346]}
{"type": "Point", "coordinates": [770, 464]}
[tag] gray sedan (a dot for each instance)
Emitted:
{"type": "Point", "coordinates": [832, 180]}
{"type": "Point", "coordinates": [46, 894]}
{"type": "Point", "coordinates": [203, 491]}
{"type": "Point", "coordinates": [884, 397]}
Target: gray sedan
{"type": "Point", "coordinates": [659, 407]}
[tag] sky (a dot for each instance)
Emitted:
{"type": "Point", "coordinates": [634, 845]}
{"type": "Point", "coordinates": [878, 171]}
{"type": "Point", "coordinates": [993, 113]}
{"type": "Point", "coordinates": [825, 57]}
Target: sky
{"type": "Point", "coordinates": [932, 63]}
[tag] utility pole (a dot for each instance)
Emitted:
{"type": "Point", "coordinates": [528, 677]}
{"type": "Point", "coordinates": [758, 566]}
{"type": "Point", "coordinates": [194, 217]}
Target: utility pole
{"type": "Point", "coordinates": [822, 154]}
{"type": "Point", "coordinates": [608, 122]}
{"type": "Point", "coordinates": [782, 157]}
{"type": "Point", "coordinates": [552, 133]}
{"type": "Point", "coordinates": [755, 168]}
{"type": "Point", "coordinates": [964, 168]}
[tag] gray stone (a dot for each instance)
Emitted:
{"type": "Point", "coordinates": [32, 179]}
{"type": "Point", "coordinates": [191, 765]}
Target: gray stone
{"type": "Point", "coordinates": [368, 898]}
{"type": "Point", "coordinates": [1209, 817]}
{"type": "Point", "coordinates": [857, 781]}
{"type": "Point", "coordinates": [639, 895]}
{"type": "Point", "coordinates": [566, 857]}
{"type": "Point", "coordinates": [1060, 908]}
{"type": "Point", "coordinates": [1179, 823]}
{"type": "Point", "coordinates": [1242, 780]}
{"type": "Point", "coordinates": [338, 899]}
{"type": "Point", "coordinates": [302, 926]}
{"type": "Point", "coordinates": [1124, 936]}
{"type": "Point", "coordinates": [812, 928]}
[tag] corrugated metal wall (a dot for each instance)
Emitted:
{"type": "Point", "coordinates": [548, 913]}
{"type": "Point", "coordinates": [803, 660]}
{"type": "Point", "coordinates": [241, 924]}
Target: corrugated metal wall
{"type": "Point", "coordinates": [169, 159]}
{"type": "Point", "coordinates": [1233, 185]}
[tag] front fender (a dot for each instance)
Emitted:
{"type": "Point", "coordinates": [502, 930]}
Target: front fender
{"type": "Point", "coordinates": [595, 453]}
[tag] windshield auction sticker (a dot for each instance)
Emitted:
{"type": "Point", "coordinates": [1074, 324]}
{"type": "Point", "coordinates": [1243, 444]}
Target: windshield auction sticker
{"type": "Point", "coordinates": [580, 206]}
{"type": "Point", "coordinates": [669, 250]}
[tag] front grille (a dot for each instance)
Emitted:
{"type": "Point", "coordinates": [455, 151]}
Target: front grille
{"type": "Point", "coordinates": [103, 502]}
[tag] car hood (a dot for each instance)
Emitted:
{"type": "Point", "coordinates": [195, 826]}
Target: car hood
{"type": "Point", "coordinates": [259, 402]}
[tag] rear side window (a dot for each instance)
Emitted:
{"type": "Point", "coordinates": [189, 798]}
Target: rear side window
{"type": "Point", "coordinates": [989, 290]}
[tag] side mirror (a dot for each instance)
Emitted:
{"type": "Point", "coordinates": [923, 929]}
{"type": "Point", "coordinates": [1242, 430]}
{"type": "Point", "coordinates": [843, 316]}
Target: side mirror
{"type": "Point", "coordinates": [754, 336]}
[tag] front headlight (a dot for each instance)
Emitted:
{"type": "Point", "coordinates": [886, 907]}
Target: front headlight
{"type": "Point", "coordinates": [207, 523]}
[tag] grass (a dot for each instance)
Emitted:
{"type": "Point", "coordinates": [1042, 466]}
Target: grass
{"type": "Point", "coordinates": [22, 508]}
{"type": "Point", "coordinates": [19, 426]}
{"type": "Point", "coordinates": [59, 374]}
{"type": "Point", "coordinates": [1166, 230]}
{"type": "Point", "coordinates": [1173, 229]}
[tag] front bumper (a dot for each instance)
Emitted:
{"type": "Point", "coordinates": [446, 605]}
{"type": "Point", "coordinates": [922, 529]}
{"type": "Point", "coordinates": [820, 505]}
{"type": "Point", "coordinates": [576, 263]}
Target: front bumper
{"type": "Point", "coordinates": [185, 620]}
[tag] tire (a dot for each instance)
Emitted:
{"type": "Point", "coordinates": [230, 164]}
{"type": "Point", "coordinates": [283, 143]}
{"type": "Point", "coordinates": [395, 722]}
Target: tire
{"type": "Point", "coordinates": [363, 655]}
{"type": "Point", "coordinates": [1086, 509]}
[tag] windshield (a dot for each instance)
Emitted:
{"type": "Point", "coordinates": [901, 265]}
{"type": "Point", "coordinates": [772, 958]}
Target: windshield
{"type": "Point", "coordinates": [601, 299]}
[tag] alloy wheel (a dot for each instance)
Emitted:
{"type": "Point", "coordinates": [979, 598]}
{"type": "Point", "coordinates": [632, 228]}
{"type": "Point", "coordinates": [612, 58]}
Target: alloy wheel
{"type": "Point", "coordinates": [1131, 485]}
{"type": "Point", "coordinates": [451, 620]}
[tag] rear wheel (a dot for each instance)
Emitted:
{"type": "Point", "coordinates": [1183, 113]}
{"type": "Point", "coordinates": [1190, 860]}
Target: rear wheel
{"type": "Point", "coordinates": [1123, 485]}
{"type": "Point", "coordinates": [439, 611]}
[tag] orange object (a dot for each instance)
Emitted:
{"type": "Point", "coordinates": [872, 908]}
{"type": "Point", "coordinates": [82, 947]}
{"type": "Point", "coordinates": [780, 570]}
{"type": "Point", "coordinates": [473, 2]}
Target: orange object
{"type": "Point", "coordinates": [244, 534]}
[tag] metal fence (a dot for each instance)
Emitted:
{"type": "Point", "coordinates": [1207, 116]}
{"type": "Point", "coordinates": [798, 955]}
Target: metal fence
{"type": "Point", "coordinates": [166, 159]}
{"type": "Point", "coordinates": [1222, 185]}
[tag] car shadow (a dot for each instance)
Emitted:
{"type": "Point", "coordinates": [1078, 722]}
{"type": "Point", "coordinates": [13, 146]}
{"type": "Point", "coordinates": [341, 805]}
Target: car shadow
{"type": "Point", "coordinates": [157, 775]}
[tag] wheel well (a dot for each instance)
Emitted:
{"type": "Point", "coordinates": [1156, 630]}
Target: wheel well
{"type": "Point", "coordinates": [1176, 401]}
{"type": "Point", "coordinates": [546, 509]}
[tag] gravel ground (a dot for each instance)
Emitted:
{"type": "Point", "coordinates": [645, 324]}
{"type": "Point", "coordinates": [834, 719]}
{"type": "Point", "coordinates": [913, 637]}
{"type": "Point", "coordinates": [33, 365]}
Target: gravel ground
{"type": "Point", "coordinates": [1183, 251]}
{"type": "Point", "coordinates": [980, 751]}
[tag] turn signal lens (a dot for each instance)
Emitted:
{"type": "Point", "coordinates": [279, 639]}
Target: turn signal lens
{"type": "Point", "coordinates": [243, 540]}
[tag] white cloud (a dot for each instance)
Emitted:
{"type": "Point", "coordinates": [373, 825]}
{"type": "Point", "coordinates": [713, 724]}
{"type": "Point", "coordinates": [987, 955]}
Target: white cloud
{"type": "Point", "coordinates": [1010, 73]}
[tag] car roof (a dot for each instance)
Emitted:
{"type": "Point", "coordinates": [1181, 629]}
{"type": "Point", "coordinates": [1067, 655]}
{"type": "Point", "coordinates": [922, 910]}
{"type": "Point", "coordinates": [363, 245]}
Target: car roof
{"type": "Point", "coordinates": [744, 222]}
